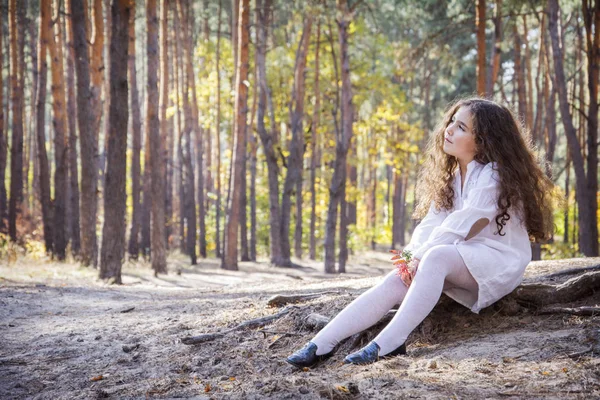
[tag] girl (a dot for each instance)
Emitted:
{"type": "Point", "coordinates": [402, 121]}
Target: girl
{"type": "Point", "coordinates": [485, 197]}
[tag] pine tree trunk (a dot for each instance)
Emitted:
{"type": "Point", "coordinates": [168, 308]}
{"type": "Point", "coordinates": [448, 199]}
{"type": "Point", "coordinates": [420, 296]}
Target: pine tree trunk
{"type": "Point", "coordinates": [113, 231]}
{"type": "Point", "coordinates": [97, 68]}
{"type": "Point", "coordinates": [136, 139]}
{"type": "Point", "coordinates": [338, 181]}
{"type": "Point", "coordinates": [153, 132]}
{"type": "Point", "coordinates": [87, 135]}
{"type": "Point", "coordinates": [4, 135]}
{"type": "Point", "coordinates": [17, 43]}
{"type": "Point", "coordinates": [218, 137]}
{"type": "Point", "coordinates": [494, 67]}
{"type": "Point", "coordinates": [189, 130]}
{"type": "Point", "coordinates": [586, 204]}
{"type": "Point", "coordinates": [60, 142]}
{"type": "Point", "coordinates": [343, 254]}
{"type": "Point", "coordinates": [74, 231]}
{"type": "Point", "coordinates": [592, 27]}
{"type": "Point", "coordinates": [519, 75]}
{"type": "Point", "coordinates": [527, 67]}
{"type": "Point", "coordinates": [313, 151]}
{"type": "Point", "coordinates": [44, 36]}
{"type": "Point", "coordinates": [229, 260]}
{"type": "Point", "coordinates": [481, 56]}
{"type": "Point", "coordinates": [296, 147]}
{"type": "Point", "coordinates": [268, 140]}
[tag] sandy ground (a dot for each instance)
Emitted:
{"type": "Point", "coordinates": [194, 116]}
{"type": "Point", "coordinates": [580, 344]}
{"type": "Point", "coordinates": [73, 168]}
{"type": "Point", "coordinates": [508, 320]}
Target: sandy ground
{"type": "Point", "coordinates": [66, 335]}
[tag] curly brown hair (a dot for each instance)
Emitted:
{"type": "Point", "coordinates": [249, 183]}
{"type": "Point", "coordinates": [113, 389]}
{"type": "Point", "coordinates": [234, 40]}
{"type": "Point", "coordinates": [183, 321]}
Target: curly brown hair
{"type": "Point", "coordinates": [499, 139]}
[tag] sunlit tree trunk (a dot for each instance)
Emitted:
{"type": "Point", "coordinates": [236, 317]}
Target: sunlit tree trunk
{"type": "Point", "coordinates": [338, 181]}
{"type": "Point", "coordinates": [59, 123]}
{"type": "Point", "coordinates": [314, 161]}
{"type": "Point", "coordinates": [519, 75]}
{"type": "Point", "coordinates": [74, 232]}
{"type": "Point", "coordinates": [229, 260]}
{"type": "Point", "coordinates": [153, 132]}
{"type": "Point", "coordinates": [44, 172]}
{"type": "Point", "coordinates": [494, 67]}
{"type": "Point", "coordinates": [113, 231]}
{"type": "Point", "coordinates": [218, 137]}
{"type": "Point", "coordinates": [136, 141]}
{"type": "Point", "coordinates": [481, 56]}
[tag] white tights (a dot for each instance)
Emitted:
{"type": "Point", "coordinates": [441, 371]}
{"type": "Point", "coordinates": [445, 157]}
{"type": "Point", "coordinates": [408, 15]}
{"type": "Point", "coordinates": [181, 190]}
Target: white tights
{"type": "Point", "coordinates": [441, 268]}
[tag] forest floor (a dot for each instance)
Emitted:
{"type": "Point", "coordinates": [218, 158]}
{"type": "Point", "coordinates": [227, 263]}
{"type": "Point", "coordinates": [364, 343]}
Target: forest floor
{"type": "Point", "coordinates": [66, 335]}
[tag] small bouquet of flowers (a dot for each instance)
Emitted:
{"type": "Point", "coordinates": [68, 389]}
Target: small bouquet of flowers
{"type": "Point", "coordinates": [401, 260]}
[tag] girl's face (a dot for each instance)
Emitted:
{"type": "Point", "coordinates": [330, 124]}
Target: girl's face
{"type": "Point", "coordinates": [459, 139]}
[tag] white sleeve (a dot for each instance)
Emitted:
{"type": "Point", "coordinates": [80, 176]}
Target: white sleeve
{"type": "Point", "coordinates": [481, 203]}
{"type": "Point", "coordinates": [422, 231]}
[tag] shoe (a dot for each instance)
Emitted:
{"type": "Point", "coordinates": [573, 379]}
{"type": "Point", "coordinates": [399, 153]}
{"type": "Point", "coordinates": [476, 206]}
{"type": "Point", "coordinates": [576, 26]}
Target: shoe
{"type": "Point", "coordinates": [370, 353]}
{"type": "Point", "coordinates": [307, 357]}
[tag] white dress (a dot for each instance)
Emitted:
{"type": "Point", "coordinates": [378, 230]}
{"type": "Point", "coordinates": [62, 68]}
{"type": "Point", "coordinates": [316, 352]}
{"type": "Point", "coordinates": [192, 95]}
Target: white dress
{"type": "Point", "coordinates": [496, 262]}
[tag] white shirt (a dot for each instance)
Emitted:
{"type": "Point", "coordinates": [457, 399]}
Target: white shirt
{"type": "Point", "coordinates": [496, 262]}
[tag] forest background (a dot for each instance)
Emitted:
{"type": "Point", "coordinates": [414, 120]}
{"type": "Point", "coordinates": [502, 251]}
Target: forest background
{"type": "Point", "coordinates": [272, 129]}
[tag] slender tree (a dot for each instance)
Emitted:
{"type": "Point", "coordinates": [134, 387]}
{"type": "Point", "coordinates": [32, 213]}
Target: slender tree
{"type": "Point", "coordinates": [113, 231]}
{"type": "Point", "coordinates": [586, 203]}
{"type": "Point", "coordinates": [343, 138]}
{"type": "Point", "coordinates": [314, 160]}
{"type": "Point", "coordinates": [218, 136]}
{"type": "Point", "coordinates": [73, 200]}
{"type": "Point", "coordinates": [87, 136]}
{"type": "Point", "coordinates": [3, 141]}
{"type": "Point", "coordinates": [230, 252]}
{"type": "Point", "coordinates": [17, 43]}
{"type": "Point", "coordinates": [296, 146]}
{"type": "Point", "coordinates": [591, 18]}
{"type": "Point", "coordinates": [44, 179]}
{"type": "Point", "coordinates": [494, 66]}
{"type": "Point", "coordinates": [153, 133]}
{"type": "Point", "coordinates": [268, 140]}
{"type": "Point", "coordinates": [136, 139]}
{"type": "Point", "coordinates": [481, 55]}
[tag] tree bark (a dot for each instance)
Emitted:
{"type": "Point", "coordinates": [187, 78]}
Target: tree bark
{"type": "Point", "coordinates": [17, 43]}
{"type": "Point", "coordinates": [113, 232]}
{"type": "Point", "coordinates": [190, 128]}
{"type": "Point", "coordinates": [314, 162]}
{"type": "Point", "coordinates": [3, 143]}
{"type": "Point", "coordinates": [97, 67]}
{"type": "Point", "coordinates": [218, 137]}
{"type": "Point", "coordinates": [74, 231]}
{"type": "Point", "coordinates": [229, 260]}
{"type": "Point", "coordinates": [268, 140]}
{"type": "Point", "coordinates": [494, 67]}
{"type": "Point", "coordinates": [519, 76]}
{"type": "Point", "coordinates": [592, 28]}
{"type": "Point", "coordinates": [44, 36]}
{"type": "Point", "coordinates": [588, 231]}
{"type": "Point", "coordinates": [296, 147]}
{"type": "Point", "coordinates": [153, 132]}
{"type": "Point", "coordinates": [343, 138]}
{"type": "Point", "coordinates": [136, 139]}
{"type": "Point", "coordinates": [60, 142]}
{"type": "Point", "coordinates": [481, 56]}
{"type": "Point", "coordinates": [87, 136]}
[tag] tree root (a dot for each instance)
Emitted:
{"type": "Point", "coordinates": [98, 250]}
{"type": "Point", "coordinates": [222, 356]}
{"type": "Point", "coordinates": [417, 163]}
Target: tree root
{"type": "Point", "coordinates": [539, 294]}
{"type": "Point", "coordinates": [253, 323]}
{"type": "Point", "coordinates": [281, 300]}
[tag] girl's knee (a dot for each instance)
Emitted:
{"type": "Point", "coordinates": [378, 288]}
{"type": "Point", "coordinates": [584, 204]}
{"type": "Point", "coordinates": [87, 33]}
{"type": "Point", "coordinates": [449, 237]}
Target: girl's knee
{"type": "Point", "coordinates": [436, 258]}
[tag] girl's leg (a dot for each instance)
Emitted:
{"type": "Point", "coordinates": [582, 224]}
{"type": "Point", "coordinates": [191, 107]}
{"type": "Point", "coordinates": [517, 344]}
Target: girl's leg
{"type": "Point", "coordinates": [439, 265]}
{"type": "Point", "coordinates": [362, 313]}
